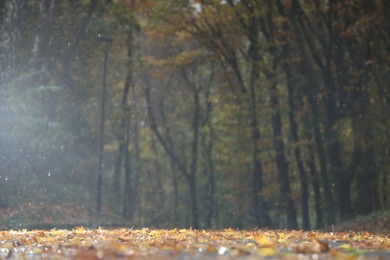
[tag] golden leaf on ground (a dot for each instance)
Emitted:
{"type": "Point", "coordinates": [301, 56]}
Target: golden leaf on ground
{"type": "Point", "coordinates": [312, 247]}
{"type": "Point", "coordinates": [146, 243]}
{"type": "Point", "coordinates": [212, 249]}
{"type": "Point", "coordinates": [263, 241]}
{"type": "Point", "coordinates": [266, 251]}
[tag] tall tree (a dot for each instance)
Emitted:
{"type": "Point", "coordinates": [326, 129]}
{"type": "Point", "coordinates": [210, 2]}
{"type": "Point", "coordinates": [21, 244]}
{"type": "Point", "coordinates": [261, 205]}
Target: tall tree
{"type": "Point", "coordinates": [10, 12]}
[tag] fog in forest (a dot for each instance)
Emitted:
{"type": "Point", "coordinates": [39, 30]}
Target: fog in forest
{"type": "Point", "coordinates": [202, 114]}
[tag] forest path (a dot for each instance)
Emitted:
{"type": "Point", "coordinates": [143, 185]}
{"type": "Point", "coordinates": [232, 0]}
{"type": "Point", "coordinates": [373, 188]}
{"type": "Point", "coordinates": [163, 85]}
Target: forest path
{"type": "Point", "coordinates": [124, 243]}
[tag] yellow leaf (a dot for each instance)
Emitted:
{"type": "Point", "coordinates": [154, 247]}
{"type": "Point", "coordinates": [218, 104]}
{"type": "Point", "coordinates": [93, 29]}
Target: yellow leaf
{"type": "Point", "coordinates": [212, 249]}
{"type": "Point", "coordinates": [339, 255]}
{"type": "Point", "coordinates": [266, 251]}
{"type": "Point", "coordinates": [344, 246]}
{"type": "Point", "coordinates": [263, 241]}
{"type": "Point", "coordinates": [250, 245]}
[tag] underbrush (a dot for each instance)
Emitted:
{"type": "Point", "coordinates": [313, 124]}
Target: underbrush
{"type": "Point", "coordinates": [377, 223]}
{"type": "Point", "coordinates": [54, 215]}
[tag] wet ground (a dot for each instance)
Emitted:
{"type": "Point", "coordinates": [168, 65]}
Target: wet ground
{"type": "Point", "coordinates": [124, 243]}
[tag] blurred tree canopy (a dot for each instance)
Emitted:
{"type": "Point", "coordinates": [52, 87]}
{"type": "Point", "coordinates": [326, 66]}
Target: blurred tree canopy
{"type": "Point", "coordinates": [267, 113]}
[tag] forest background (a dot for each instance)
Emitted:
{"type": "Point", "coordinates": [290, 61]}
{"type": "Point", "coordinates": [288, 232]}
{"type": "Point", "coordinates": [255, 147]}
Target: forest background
{"type": "Point", "coordinates": [203, 114]}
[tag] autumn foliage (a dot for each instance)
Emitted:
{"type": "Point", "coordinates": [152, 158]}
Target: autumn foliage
{"type": "Point", "coordinates": [82, 243]}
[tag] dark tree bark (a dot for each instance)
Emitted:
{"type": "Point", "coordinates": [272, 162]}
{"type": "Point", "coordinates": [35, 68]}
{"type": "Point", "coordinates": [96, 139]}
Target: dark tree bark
{"type": "Point", "coordinates": [286, 52]}
{"type": "Point", "coordinates": [268, 29]}
{"type": "Point", "coordinates": [131, 166]}
{"type": "Point", "coordinates": [316, 189]}
{"type": "Point", "coordinates": [128, 200]}
{"type": "Point", "coordinates": [190, 173]}
{"type": "Point", "coordinates": [363, 163]}
{"type": "Point", "coordinates": [330, 212]}
{"type": "Point", "coordinates": [311, 86]}
{"type": "Point", "coordinates": [280, 159]}
{"type": "Point", "coordinates": [124, 125]}
{"type": "Point", "coordinates": [261, 211]}
{"type": "Point", "coordinates": [194, 149]}
{"type": "Point", "coordinates": [102, 130]}
{"type": "Point", "coordinates": [207, 146]}
{"type": "Point", "coordinates": [10, 12]}
{"type": "Point", "coordinates": [160, 195]}
{"type": "Point", "coordinates": [297, 152]}
{"type": "Point", "coordinates": [335, 108]}
{"type": "Point", "coordinates": [175, 194]}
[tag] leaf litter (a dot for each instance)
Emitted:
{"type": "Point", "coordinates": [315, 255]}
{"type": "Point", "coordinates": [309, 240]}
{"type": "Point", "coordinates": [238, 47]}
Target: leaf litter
{"type": "Point", "coordinates": [125, 243]}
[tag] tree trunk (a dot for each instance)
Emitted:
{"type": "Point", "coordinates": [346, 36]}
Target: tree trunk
{"type": "Point", "coordinates": [261, 212]}
{"type": "Point", "coordinates": [316, 189]}
{"type": "Point", "coordinates": [175, 195]}
{"type": "Point", "coordinates": [363, 162]}
{"type": "Point", "coordinates": [125, 108]}
{"type": "Point", "coordinates": [193, 202]}
{"type": "Point", "coordinates": [9, 41]}
{"type": "Point", "coordinates": [297, 152]}
{"type": "Point", "coordinates": [311, 86]}
{"type": "Point", "coordinates": [335, 108]}
{"type": "Point", "coordinates": [280, 159]}
{"type": "Point", "coordinates": [194, 152]}
{"type": "Point", "coordinates": [208, 169]}
{"type": "Point", "coordinates": [320, 150]}
{"type": "Point", "coordinates": [165, 141]}
{"type": "Point", "coordinates": [159, 192]}
{"type": "Point", "coordinates": [128, 199]}
{"type": "Point", "coordinates": [313, 173]}
{"type": "Point", "coordinates": [102, 133]}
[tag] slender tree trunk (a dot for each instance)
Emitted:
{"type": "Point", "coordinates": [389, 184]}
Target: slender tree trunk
{"type": "Point", "coordinates": [127, 197]}
{"type": "Point", "coordinates": [261, 212]}
{"type": "Point", "coordinates": [315, 178]}
{"type": "Point", "coordinates": [320, 151]}
{"type": "Point", "coordinates": [211, 186]}
{"type": "Point", "coordinates": [193, 202]}
{"type": "Point", "coordinates": [363, 162]}
{"type": "Point", "coordinates": [102, 132]}
{"type": "Point", "coordinates": [297, 152]}
{"type": "Point", "coordinates": [310, 87]}
{"type": "Point", "coordinates": [335, 107]}
{"type": "Point", "coordinates": [194, 152]}
{"type": "Point", "coordinates": [124, 136]}
{"type": "Point", "coordinates": [316, 189]}
{"type": "Point", "coordinates": [9, 41]}
{"type": "Point", "coordinates": [124, 124]}
{"type": "Point", "coordinates": [175, 194]}
{"type": "Point", "coordinates": [190, 175]}
{"type": "Point", "coordinates": [280, 159]}
{"type": "Point", "coordinates": [160, 196]}
{"type": "Point", "coordinates": [137, 165]}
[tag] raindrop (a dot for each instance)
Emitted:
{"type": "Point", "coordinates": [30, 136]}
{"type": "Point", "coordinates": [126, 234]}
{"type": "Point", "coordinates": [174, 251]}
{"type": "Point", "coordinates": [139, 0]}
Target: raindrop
{"type": "Point", "coordinates": [222, 250]}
